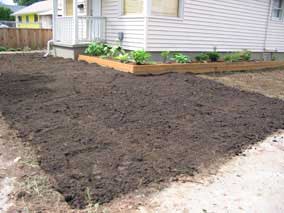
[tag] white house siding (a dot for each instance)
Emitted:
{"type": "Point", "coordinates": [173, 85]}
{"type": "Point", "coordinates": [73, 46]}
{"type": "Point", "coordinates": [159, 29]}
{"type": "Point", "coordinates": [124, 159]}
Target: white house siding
{"type": "Point", "coordinates": [46, 22]}
{"type": "Point", "coordinates": [228, 25]}
{"type": "Point", "coordinates": [275, 36]}
{"type": "Point", "coordinates": [132, 27]}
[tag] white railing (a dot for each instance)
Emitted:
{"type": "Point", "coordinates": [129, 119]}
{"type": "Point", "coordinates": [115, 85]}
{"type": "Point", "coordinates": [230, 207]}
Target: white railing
{"type": "Point", "coordinates": [64, 29]}
{"type": "Point", "coordinates": [89, 29]}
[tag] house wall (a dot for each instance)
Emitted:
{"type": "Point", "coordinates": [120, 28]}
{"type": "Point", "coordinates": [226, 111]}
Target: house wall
{"type": "Point", "coordinates": [31, 24]}
{"type": "Point", "coordinates": [275, 36]}
{"type": "Point", "coordinates": [46, 21]}
{"type": "Point", "coordinates": [228, 25]}
{"type": "Point", "coordinates": [132, 27]}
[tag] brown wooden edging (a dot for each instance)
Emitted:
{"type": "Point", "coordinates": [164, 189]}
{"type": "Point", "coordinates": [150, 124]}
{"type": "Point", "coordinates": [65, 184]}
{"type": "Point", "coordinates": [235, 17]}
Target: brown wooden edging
{"type": "Point", "coordinates": [196, 68]}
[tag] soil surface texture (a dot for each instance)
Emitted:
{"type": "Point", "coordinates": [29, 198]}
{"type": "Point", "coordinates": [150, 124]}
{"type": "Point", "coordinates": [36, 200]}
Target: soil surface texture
{"type": "Point", "coordinates": [99, 133]}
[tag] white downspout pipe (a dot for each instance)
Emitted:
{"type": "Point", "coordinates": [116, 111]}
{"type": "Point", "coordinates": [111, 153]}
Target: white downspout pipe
{"type": "Point", "coordinates": [54, 15]}
{"type": "Point", "coordinates": [266, 27]}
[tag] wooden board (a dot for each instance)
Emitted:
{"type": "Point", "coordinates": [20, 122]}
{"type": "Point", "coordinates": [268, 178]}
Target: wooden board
{"type": "Point", "coordinates": [196, 68]}
{"type": "Point", "coordinates": [20, 38]}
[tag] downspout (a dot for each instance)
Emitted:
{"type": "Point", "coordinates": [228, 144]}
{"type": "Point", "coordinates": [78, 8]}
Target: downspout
{"type": "Point", "coordinates": [48, 48]}
{"type": "Point", "coordinates": [266, 28]}
{"type": "Point", "coordinates": [54, 15]}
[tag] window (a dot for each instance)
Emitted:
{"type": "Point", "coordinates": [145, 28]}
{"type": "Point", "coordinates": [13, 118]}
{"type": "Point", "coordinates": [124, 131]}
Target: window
{"type": "Point", "coordinates": [277, 9]}
{"type": "Point", "coordinates": [19, 19]}
{"type": "Point", "coordinates": [27, 19]}
{"type": "Point", "coordinates": [165, 8]}
{"type": "Point", "coordinates": [35, 18]}
{"type": "Point", "coordinates": [133, 7]}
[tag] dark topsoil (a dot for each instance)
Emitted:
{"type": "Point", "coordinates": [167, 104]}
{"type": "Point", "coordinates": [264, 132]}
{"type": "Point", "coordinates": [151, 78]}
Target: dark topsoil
{"type": "Point", "coordinates": [110, 132]}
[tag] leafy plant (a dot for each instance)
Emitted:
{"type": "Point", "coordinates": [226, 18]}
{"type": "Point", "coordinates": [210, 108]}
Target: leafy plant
{"type": "Point", "coordinates": [12, 49]}
{"type": "Point", "coordinates": [124, 58]}
{"type": "Point", "coordinates": [213, 56]}
{"type": "Point", "coordinates": [245, 55]}
{"type": "Point", "coordinates": [165, 55]}
{"type": "Point", "coordinates": [140, 56]}
{"type": "Point", "coordinates": [2, 49]}
{"type": "Point", "coordinates": [116, 51]}
{"type": "Point", "coordinates": [235, 57]}
{"type": "Point", "coordinates": [181, 58]}
{"type": "Point", "coordinates": [238, 56]}
{"type": "Point", "coordinates": [6, 14]}
{"type": "Point", "coordinates": [97, 49]}
{"type": "Point", "coordinates": [203, 57]}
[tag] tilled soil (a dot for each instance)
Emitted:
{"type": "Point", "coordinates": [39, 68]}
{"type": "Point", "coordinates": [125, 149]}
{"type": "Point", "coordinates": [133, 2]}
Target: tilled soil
{"type": "Point", "coordinates": [104, 133]}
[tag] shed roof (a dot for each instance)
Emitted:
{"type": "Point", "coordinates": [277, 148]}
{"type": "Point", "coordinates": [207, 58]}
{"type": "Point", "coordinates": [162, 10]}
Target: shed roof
{"type": "Point", "coordinates": [38, 7]}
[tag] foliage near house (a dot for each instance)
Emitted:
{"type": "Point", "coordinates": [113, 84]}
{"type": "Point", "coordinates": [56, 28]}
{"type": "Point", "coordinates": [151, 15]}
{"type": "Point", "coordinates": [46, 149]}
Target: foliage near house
{"type": "Point", "coordinates": [5, 14]}
{"type": "Point", "coordinates": [25, 2]}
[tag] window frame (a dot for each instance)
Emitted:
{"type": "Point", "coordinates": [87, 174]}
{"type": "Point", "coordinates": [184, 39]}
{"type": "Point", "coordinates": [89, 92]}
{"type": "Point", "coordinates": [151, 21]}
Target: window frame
{"type": "Point", "coordinates": [36, 17]}
{"type": "Point", "coordinates": [276, 8]}
{"type": "Point", "coordinates": [122, 12]}
{"type": "Point", "coordinates": [27, 19]}
{"type": "Point", "coordinates": [180, 11]}
{"type": "Point", "coordinates": [147, 11]}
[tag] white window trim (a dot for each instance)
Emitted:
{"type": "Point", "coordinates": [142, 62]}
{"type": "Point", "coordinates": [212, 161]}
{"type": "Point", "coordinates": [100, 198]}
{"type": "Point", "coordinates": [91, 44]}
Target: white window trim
{"type": "Point", "coordinates": [180, 12]}
{"type": "Point", "coordinates": [275, 18]}
{"type": "Point", "coordinates": [147, 13]}
{"type": "Point", "coordinates": [122, 15]}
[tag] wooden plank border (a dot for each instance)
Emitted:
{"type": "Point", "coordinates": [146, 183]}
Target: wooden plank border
{"type": "Point", "coordinates": [20, 38]}
{"type": "Point", "coordinates": [197, 68]}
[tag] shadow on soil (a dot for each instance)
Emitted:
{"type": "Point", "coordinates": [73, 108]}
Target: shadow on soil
{"type": "Point", "coordinates": [111, 133]}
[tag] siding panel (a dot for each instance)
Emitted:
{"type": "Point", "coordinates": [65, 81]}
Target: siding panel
{"type": "Point", "coordinates": [133, 28]}
{"type": "Point", "coordinates": [229, 25]}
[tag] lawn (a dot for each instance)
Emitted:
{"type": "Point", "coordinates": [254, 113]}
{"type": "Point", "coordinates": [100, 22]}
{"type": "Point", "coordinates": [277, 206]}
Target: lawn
{"type": "Point", "coordinates": [109, 133]}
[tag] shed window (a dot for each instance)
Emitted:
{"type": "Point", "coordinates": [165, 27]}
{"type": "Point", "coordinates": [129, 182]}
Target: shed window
{"type": "Point", "coordinates": [35, 18]}
{"type": "Point", "coordinates": [19, 19]}
{"type": "Point", "coordinates": [277, 9]}
{"type": "Point", "coordinates": [27, 19]}
{"type": "Point", "coordinates": [133, 7]}
{"type": "Point", "coordinates": [165, 8]}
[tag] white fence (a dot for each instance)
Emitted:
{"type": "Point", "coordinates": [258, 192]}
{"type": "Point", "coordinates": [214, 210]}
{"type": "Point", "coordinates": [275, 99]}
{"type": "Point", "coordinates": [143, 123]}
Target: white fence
{"type": "Point", "coordinates": [89, 29]}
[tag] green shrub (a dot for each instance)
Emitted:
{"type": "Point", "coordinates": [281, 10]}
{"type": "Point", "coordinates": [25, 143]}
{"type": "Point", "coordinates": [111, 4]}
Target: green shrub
{"type": "Point", "coordinates": [124, 58]}
{"type": "Point", "coordinates": [245, 55]}
{"type": "Point", "coordinates": [116, 51]}
{"type": "Point", "coordinates": [6, 14]}
{"type": "Point", "coordinates": [165, 55]}
{"type": "Point", "coordinates": [12, 49]}
{"type": "Point", "coordinates": [238, 56]}
{"type": "Point", "coordinates": [234, 57]}
{"type": "Point", "coordinates": [97, 49]}
{"type": "Point", "coordinates": [203, 57]}
{"type": "Point", "coordinates": [2, 49]}
{"type": "Point", "coordinates": [181, 58]}
{"type": "Point", "coordinates": [213, 56]}
{"type": "Point", "coordinates": [140, 56]}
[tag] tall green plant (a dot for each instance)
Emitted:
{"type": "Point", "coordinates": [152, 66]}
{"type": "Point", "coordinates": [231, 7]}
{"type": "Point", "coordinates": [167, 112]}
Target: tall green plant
{"type": "Point", "coordinates": [165, 56]}
{"type": "Point", "coordinates": [181, 58]}
{"type": "Point", "coordinates": [97, 49]}
{"type": "Point", "coordinates": [203, 57]}
{"type": "Point", "coordinates": [213, 56]}
{"type": "Point", "coordinates": [5, 14]}
{"type": "Point", "coordinates": [140, 56]}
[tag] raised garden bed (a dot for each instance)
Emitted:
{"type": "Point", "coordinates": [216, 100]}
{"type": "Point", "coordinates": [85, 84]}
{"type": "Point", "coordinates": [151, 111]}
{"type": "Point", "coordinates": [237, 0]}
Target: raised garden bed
{"type": "Point", "coordinates": [182, 68]}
